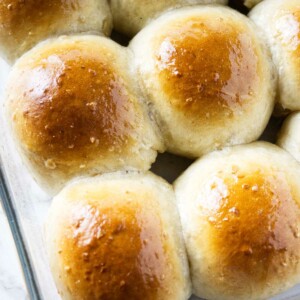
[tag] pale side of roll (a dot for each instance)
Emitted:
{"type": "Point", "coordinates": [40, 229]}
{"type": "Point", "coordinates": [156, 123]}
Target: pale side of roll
{"type": "Point", "coordinates": [289, 135]}
{"type": "Point", "coordinates": [240, 212]}
{"type": "Point", "coordinates": [25, 23]}
{"type": "Point", "coordinates": [117, 236]}
{"type": "Point", "coordinates": [208, 78]}
{"type": "Point", "coordinates": [75, 110]}
{"type": "Point", "coordinates": [279, 20]}
{"type": "Point", "coordinates": [130, 16]}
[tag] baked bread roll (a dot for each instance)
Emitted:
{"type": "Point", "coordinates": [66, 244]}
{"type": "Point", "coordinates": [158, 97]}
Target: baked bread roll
{"type": "Point", "coordinates": [208, 78]}
{"type": "Point", "coordinates": [117, 236]}
{"type": "Point", "coordinates": [240, 214]}
{"type": "Point", "coordinates": [25, 23]}
{"type": "Point", "coordinates": [279, 20]}
{"type": "Point", "coordinates": [75, 110]}
{"type": "Point", "coordinates": [130, 16]}
{"type": "Point", "coordinates": [289, 137]}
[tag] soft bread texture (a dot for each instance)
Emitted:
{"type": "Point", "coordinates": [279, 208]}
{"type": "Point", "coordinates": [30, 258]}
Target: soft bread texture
{"type": "Point", "coordinates": [207, 76]}
{"type": "Point", "coordinates": [240, 214]}
{"type": "Point", "coordinates": [117, 236]}
{"type": "Point", "coordinates": [130, 16]}
{"type": "Point", "coordinates": [75, 110]}
{"type": "Point", "coordinates": [279, 20]}
{"type": "Point", "coordinates": [289, 137]}
{"type": "Point", "coordinates": [24, 23]}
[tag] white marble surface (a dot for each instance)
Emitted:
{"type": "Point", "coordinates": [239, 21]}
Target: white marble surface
{"type": "Point", "coordinates": [12, 286]}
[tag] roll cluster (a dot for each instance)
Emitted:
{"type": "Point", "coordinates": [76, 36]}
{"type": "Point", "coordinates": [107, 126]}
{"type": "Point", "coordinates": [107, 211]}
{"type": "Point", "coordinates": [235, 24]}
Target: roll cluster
{"type": "Point", "coordinates": [198, 79]}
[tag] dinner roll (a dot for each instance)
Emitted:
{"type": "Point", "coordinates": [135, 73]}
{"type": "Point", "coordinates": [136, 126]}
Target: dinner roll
{"type": "Point", "coordinates": [117, 237]}
{"type": "Point", "coordinates": [208, 78]}
{"type": "Point", "coordinates": [289, 137]}
{"type": "Point", "coordinates": [75, 110]}
{"type": "Point", "coordinates": [279, 20]}
{"type": "Point", "coordinates": [24, 23]}
{"type": "Point", "coordinates": [130, 16]}
{"type": "Point", "coordinates": [240, 214]}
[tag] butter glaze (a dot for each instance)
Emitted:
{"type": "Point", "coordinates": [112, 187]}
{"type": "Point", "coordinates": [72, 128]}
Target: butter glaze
{"type": "Point", "coordinates": [208, 68]}
{"type": "Point", "coordinates": [25, 23]}
{"type": "Point", "coordinates": [117, 236]}
{"type": "Point", "coordinates": [74, 104]}
{"type": "Point", "coordinates": [75, 110]}
{"type": "Point", "coordinates": [254, 226]}
{"type": "Point", "coordinates": [240, 210]}
{"type": "Point", "coordinates": [117, 253]}
{"type": "Point", "coordinates": [15, 13]}
{"type": "Point", "coordinates": [208, 76]}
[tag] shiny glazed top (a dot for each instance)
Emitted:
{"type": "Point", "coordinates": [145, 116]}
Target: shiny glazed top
{"type": "Point", "coordinates": [18, 16]}
{"type": "Point", "coordinates": [69, 103]}
{"type": "Point", "coordinates": [113, 248]}
{"type": "Point", "coordinates": [253, 221]}
{"type": "Point", "coordinates": [208, 67]}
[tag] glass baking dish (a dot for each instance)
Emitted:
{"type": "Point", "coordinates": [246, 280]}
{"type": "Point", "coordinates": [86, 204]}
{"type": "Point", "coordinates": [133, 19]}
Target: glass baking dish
{"type": "Point", "coordinates": [26, 205]}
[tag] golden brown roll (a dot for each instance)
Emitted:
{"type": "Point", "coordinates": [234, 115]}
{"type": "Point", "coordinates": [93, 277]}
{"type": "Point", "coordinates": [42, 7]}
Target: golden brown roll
{"type": "Point", "coordinates": [75, 109]}
{"type": "Point", "coordinates": [279, 20]}
{"type": "Point", "coordinates": [24, 23]}
{"type": "Point", "coordinates": [130, 16]}
{"type": "Point", "coordinates": [289, 137]}
{"type": "Point", "coordinates": [208, 78]}
{"type": "Point", "coordinates": [117, 237]}
{"type": "Point", "coordinates": [240, 212]}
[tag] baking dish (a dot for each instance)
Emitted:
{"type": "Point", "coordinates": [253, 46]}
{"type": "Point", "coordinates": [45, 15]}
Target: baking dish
{"type": "Point", "coordinates": [26, 205]}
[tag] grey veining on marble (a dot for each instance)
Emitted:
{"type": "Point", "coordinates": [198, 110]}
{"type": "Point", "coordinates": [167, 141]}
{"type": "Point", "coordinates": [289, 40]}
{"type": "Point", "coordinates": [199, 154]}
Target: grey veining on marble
{"type": "Point", "coordinates": [12, 286]}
